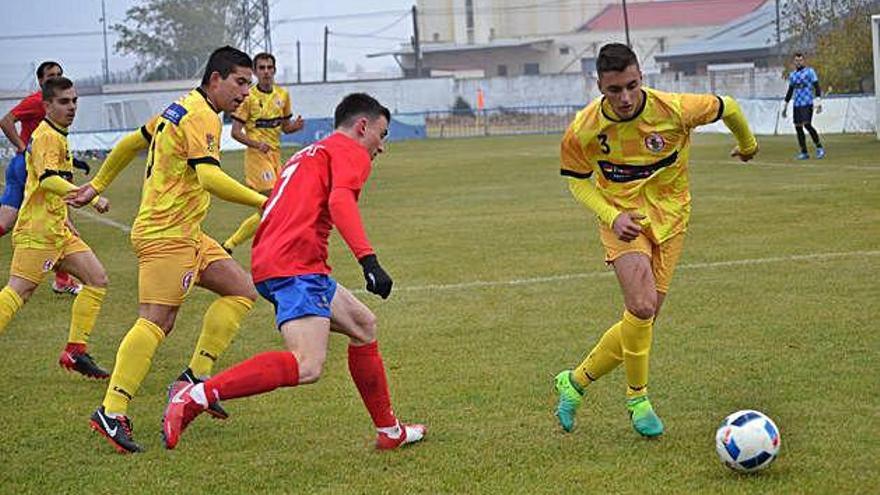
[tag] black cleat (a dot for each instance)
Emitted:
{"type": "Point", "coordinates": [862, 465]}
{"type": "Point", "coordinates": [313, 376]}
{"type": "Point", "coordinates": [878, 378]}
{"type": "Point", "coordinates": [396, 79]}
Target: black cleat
{"type": "Point", "coordinates": [215, 410]}
{"type": "Point", "coordinates": [82, 363]}
{"type": "Point", "coordinates": [116, 430]}
{"type": "Point", "coordinates": [227, 249]}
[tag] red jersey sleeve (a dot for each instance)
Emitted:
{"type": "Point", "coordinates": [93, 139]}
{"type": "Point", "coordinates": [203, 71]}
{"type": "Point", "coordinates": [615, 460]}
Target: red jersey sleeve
{"type": "Point", "coordinates": [349, 169]}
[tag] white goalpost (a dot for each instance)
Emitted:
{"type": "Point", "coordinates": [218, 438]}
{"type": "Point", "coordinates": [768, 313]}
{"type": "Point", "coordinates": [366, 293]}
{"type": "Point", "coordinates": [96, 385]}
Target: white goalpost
{"type": "Point", "coordinates": [875, 37]}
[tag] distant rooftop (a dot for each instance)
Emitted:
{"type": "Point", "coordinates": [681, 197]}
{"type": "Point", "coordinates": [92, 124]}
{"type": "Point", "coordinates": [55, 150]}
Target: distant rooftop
{"type": "Point", "coordinates": [751, 32]}
{"type": "Point", "coordinates": [671, 14]}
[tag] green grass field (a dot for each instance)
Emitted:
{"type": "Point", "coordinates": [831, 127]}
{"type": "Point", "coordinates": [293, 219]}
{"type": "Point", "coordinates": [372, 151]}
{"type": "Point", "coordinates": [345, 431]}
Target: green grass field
{"type": "Point", "coordinates": [499, 284]}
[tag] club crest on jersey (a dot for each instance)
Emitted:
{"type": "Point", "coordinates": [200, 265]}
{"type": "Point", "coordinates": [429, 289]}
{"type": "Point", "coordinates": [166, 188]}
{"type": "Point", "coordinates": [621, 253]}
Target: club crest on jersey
{"type": "Point", "coordinates": [187, 280]}
{"type": "Point", "coordinates": [48, 264]}
{"type": "Point", "coordinates": [211, 143]}
{"type": "Point", "coordinates": [654, 142]}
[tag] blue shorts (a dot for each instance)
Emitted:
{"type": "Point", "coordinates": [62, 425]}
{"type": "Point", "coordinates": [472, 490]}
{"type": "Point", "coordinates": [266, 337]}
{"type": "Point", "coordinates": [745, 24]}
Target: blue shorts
{"type": "Point", "coordinates": [299, 296]}
{"type": "Point", "coordinates": [16, 176]}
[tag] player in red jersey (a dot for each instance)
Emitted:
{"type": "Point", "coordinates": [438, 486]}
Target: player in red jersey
{"type": "Point", "coordinates": [318, 189]}
{"type": "Point", "coordinates": [30, 112]}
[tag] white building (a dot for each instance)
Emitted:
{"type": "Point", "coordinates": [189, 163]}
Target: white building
{"type": "Point", "coordinates": [488, 38]}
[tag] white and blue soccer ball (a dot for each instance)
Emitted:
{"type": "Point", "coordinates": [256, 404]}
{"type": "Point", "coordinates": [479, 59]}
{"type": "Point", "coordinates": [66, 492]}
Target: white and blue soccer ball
{"type": "Point", "coordinates": [747, 441]}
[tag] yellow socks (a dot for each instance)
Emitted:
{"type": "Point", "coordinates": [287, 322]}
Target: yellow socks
{"type": "Point", "coordinates": [219, 327]}
{"type": "Point", "coordinates": [245, 231]}
{"type": "Point", "coordinates": [635, 338]}
{"type": "Point", "coordinates": [10, 303]}
{"type": "Point", "coordinates": [132, 363]}
{"type": "Point", "coordinates": [85, 311]}
{"type": "Point", "coordinates": [605, 356]}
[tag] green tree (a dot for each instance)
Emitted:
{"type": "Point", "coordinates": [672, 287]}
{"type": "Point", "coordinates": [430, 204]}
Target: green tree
{"type": "Point", "coordinates": [173, 38]}
{"type": "Point", "coordinates": [837, 34]}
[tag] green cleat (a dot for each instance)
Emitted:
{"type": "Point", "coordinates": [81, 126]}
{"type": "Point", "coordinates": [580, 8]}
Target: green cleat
{"type": "Point", "coordinates": [570, 398]}
{"type": "Point", "coordinates": [644, 419]}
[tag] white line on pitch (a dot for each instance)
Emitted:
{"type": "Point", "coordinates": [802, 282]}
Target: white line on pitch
{"type": "Point", "coordinates": [104, 220]}
{"type": "Point", "coordinates": [608, 273]}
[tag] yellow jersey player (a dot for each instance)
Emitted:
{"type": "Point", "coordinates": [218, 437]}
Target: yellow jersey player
{"type": "Point", "coordinates": [173, 253]}
{"type": "Point", "coordinates": [43, 240]}
{"type": "Point", "coordinates": [635, 141]}
{"type": "Point", "coordinates": [258, 124]}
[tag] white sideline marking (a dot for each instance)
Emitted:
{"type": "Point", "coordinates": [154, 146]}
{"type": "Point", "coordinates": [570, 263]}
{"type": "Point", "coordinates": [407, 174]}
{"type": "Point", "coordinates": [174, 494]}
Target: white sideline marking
{"type": "Point", "coordinates": [609, 273]}
{"type": "Point", "coordinates": [759, 163]}
{"type": "Point", "coordinates": [106, 221]}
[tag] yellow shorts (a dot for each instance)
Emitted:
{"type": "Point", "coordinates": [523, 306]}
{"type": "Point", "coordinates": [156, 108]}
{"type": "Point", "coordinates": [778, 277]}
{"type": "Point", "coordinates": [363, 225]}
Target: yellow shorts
{"type": "Point", "coordinates": [168, 268]}
{"type": "Point", "coordinates": [32, 263]}
{"type": "Point", "coordinates": [261, 169]}
{"type": "Point", "coordinates": [664, 256]}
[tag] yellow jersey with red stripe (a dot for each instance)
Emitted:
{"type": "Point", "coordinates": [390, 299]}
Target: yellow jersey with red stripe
{"type": "Point", "coordinates": [641, 163]}
{"type": "Point", "coordinates": [173, 201]}
{"type": "Point", "coordinates": [262, 114]}
{"type": "Point", "coordinates": [42, 216]}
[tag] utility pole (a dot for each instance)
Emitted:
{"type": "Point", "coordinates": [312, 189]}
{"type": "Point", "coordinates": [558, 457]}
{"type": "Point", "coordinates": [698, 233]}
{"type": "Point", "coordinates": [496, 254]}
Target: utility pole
{"type": "Point", "coordinates": [298, 66]}
{"type": "Point", "coordinates": [106, 59]}
{"type": "Point", "coordinates": [626, 24]}
{"type": "Point", "coordinates": [778, 27]}
{"type": "Point", "coordinates": [417, 45]}
{"type": "Point", "coordinates": [326, 35]}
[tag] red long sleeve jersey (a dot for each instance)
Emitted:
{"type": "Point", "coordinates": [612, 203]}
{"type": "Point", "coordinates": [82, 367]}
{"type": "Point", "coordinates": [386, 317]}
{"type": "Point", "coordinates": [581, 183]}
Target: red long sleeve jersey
{"type": "Point", "coordinates": [318, 188]}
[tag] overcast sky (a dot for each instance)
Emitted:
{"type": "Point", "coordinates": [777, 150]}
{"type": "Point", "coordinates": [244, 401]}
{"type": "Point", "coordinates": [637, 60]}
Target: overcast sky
{"type": "Point", "coordinates": [81, 54]}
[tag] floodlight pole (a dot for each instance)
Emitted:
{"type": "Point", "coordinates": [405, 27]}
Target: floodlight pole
{"type": "Point", "coordinates": [326, 35]}
{"type": "Point", "coordinates": [417, 44]}
{"type": "Point", "coordinates": [298, 66]}
{"type": "Point", "coordinates": [626, 24]}
{"type": "Point", "coordinates": [106, 59]}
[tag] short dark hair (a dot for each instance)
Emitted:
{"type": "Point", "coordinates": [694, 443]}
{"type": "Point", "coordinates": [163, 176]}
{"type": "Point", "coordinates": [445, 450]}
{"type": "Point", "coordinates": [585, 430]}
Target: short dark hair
{"type": "Point", "coordinates": [262, 56]}
{"type": "Point", "coordinates": [356, 105]}
{"type": "Point", "coordinates": [615, 57]}
{"type": "Point", "coordinates": [53, 86]}
{"type": "Point", "coordinates": [224, 60]}
{"type": "Point", "coordinates": [48, 64]}
{"type": "Point", "coordinates": [798, 54]}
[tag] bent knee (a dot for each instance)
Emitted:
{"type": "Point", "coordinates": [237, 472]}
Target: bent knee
{"type": "Point", "coordinates": [365, 330]}
{"type": "Point", "coordinates": [310, 370]}
{"type": "Point", "coordinates": [644, 308]}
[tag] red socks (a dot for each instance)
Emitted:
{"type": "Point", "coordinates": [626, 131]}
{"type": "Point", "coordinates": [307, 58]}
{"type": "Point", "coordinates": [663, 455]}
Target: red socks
{"type": "Point", "coordinates": [75, 348]}
{"type": "Point", "coordinates": [368, 373]}
{"type": "Point", "coordinates": [262, 373]}
{"type": "Point", "coordinates": [62, 278]}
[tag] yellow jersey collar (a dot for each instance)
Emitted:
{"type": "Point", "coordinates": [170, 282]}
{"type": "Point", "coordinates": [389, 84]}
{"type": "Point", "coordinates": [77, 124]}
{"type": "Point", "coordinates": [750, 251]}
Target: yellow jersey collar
{"type": "Point", "coordinates": [271, 89]}
{"type": "Point", "coordinates": [207, 100]}
{"type": "Point", "coordinates": [614, 118]}
{"type": "Point", "coordinates": [58, 128]}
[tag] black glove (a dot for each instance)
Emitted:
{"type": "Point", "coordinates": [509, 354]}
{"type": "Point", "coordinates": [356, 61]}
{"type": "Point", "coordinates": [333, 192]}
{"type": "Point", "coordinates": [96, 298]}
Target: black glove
{"type": "Point", "coordinates": [77, 163]}
{"type": "Point", "coordinates": [378, 282]}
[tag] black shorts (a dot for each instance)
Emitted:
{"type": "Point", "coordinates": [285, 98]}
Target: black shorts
{"type": "Point", "coordinates": [803, 115]}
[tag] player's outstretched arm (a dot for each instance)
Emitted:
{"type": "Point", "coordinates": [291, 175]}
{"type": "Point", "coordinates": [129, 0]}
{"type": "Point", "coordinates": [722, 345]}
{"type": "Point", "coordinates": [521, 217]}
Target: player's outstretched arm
{"type": "Point", "coordinates": [55, 184]}
{"type": "Point", "coordinates": [119, 158]}
{"type": "Point", "coordinates": [746, 144]}
{"type": "Point", "coordinates": [347, 219]}
{"type": "Point", "coordinates": [216, 182]}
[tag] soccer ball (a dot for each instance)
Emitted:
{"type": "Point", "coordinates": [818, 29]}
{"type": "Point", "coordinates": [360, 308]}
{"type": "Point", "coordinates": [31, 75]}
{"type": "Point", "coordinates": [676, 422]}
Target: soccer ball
{"type": "Point", "coordinates": [747, 441]}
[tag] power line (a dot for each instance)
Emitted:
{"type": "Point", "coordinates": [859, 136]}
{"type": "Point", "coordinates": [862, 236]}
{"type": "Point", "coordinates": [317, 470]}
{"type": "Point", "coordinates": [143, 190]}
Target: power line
{"type": "Point", "coordinates": [50, 35]}
{"type": "Point", "coordinates": [381, 13]}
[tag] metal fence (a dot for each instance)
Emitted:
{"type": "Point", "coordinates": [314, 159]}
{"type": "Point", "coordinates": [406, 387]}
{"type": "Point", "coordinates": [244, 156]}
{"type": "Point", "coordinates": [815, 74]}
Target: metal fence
{"type": "Point", "coordinates": [499, 121]}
